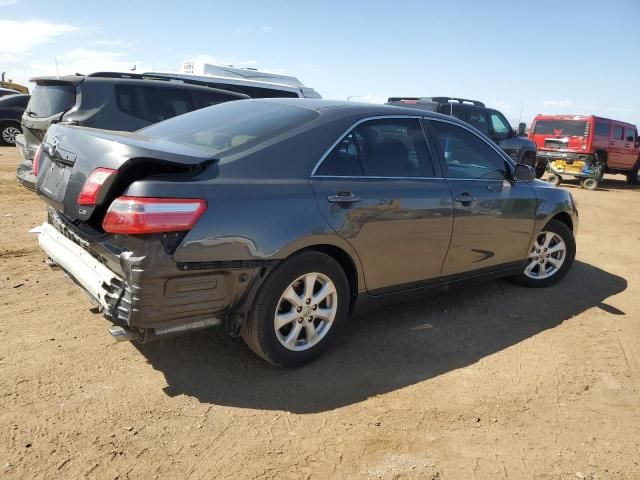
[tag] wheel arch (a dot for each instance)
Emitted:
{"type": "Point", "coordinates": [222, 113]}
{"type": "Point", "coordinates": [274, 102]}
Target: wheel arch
{"type": "Point", "coordinates": [565, 218]}
{"type": "Point", "coordinates": [348, 266]}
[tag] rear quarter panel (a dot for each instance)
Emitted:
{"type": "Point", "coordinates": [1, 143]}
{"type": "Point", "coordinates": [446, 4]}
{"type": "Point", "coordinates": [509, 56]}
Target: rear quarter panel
{"type": "Point", "coordinates": [249, 220]}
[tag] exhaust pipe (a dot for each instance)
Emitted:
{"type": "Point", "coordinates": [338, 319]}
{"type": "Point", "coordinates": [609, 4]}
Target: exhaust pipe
{"type": "Point", "coordinates": [123, 334]}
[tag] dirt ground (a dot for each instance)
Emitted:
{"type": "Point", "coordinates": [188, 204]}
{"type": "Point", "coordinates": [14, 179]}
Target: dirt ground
{"type": "Point", "coordinates": [487, 382]}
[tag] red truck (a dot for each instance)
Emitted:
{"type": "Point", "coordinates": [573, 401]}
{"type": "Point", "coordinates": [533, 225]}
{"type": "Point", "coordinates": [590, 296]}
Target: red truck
{"type": "Point", "coordinates": [582, 144]}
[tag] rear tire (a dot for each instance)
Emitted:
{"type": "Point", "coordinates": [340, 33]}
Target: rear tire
{"type": "Point", "coordinates": [550, 257]}
{"type": "Point", "coordinates": [633, 176]}
{"type": "Point", "coordinates": [291, 323]}
{"type": "Point", "coordinates": [589, 184]}
{"type": "Point", "coordinates": [554, 179]}
{"type": "Point", "coordinates": [8, 132]}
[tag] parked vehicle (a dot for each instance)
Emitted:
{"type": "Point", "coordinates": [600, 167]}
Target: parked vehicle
{"type": "Point", "coordinates": [11, 109]}
{"type": "Point", "coordinates": [111, 101]}
{"type": "Point", "coordinates": [250, 81]}
{"type": "Point", "coordinates": [488, 120]}
{"type": "Point", "coordinates": [281, 217]}
{"type": "Point", "coordinates": [8, 91]}
{"type": "Point", "coordinates": [8, 84]}
{"type": "Point", "coordinates": [586, 146]}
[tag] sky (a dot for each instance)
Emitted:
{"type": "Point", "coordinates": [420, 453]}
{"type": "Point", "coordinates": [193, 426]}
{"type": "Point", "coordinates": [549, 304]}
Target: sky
{"type": "Point", "coordinates": [522, 57]}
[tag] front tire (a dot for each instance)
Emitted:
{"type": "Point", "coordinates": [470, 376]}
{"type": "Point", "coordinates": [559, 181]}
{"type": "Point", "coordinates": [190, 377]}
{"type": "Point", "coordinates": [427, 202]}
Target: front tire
{"type": "Point", "coordinates": [299, 310]}
{"type": "Point", "coordinates": [550, 258]}
{"type": "Point", "coordinates": [589, 184]}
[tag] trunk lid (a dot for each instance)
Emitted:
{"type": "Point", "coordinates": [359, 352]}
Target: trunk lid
{"type": "Point", "coordinates": [70, 154]}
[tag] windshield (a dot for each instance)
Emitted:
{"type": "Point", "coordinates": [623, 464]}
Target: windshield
{"type": "Point", "coordinates": [48, 100]}
{"type": "Point", "coordinates": [231, 127]}
{"type": "Point", "coordinates": [568, 128]}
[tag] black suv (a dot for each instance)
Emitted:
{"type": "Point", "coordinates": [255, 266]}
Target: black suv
{"type": "Point", "coordinates": [489, 121]}
{"type": "Point", "coordinates": [110, 101]}
{"type": "Point", "coordinates": [11, 109]}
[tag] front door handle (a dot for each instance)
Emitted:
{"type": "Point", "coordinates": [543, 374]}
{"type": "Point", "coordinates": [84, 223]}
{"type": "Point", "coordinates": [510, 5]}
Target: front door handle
{"type": "Point", "coordinates": [465, 199]}
{"type": "Point", "coordinates": [343, 197]}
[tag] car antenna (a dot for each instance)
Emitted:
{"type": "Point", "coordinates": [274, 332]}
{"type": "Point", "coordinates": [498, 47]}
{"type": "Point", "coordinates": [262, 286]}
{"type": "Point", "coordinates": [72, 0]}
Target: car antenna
{"type": "Point", "coordinates": [55, 59]}
{"type": "Point", "coordinates": [521, 109]}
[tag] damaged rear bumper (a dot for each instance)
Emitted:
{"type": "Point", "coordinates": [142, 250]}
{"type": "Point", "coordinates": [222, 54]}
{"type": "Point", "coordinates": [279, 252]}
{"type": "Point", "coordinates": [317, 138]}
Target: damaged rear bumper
{"type": "Point", "coordinates": [150, 294]}
{"type": "Point", "coordinates": [103, 286]}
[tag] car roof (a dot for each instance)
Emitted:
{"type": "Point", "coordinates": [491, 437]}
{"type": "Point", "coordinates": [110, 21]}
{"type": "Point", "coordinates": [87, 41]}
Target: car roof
{"type": "Point", "coordinates": [579, 118]}
{"type": "Point", "coordinates": [108, 77]}
{"type": "Point", "coordinates": [344, 108]}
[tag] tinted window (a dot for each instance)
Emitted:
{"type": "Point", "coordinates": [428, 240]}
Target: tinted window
{"type": "Point", "coordinates": [602, 129]}
{"type": "Point", "coordinates": [254, 92]}
{"type": "Point", "coordinates": [207, 99]}
{"type": "Point", "coordinates": [630, 133]}
{"type": "Point", "coordinates": [617, 133]}
{"type": "Point", "coordinates": [381, 148]}
{"type": "Point", "coordinates": [478, 119]}
{"type": "Point", "coordinates": [499, 125]}
{"type": "Point", "coordinates": [232, 127]}
{"type": "Point", "coordinates": [47, 100]}
{"type": "Point", "coordinates": [343, 161]}
{"type": "Point", "coordinates": [163, 103]}
{"type": "Point", "coordinates": [570, 128]}
{"type": "Point", "coordinates": [466, 154]}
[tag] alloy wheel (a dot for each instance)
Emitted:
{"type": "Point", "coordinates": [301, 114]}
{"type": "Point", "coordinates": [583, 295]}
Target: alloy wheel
{"type": "Point", "coordinates": [9, 134]}
{"type": "Point", "coordinates": [546, 256]}
{"type": "Point", "coordinates": [305, 311]}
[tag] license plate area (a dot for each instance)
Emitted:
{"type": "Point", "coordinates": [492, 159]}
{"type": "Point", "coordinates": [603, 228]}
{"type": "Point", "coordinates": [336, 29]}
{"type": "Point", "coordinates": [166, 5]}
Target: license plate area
{"type": "Point", "coordinates": [55, 178]}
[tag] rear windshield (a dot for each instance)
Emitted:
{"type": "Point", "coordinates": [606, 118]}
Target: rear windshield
{"type": "Point", "coordinates": [232, 127]}
{"type": "Point", "coordinates": [47, 100]}
{"type": "Point", "coordinates": [569, 128]}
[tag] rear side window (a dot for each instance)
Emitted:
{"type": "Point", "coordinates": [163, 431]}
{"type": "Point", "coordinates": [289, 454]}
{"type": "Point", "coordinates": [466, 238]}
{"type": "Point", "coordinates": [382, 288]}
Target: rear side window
{"type": "Point", "coordinates": [381, 148]}
{"type": "Point", "coordinates": [478, 119]}
{"type": "Point", "coordinates": [232, 127]}
{"type": "Point", "coordinates": [206, 99]}
{"type": "Point", "coordinates": [466, 154]}
{"type": "Point", "coordinates": [602, 129]}
{"type": "Point", "coordinates": [153, 104]}
{"type": "Point", "coordinates": [617, 133]}
{"type": "Point", "coordinates": [48, 100]}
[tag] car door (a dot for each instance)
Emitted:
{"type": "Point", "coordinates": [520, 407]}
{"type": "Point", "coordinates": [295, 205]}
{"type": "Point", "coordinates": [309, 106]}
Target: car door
{"type": "Point", "coordinates": [378, 188]}
{"type": "Point", "coordinates": [616, 157]}
{"type": "Point", "coordinates": [631, 150]}
{"type": "Point", "coordinates": [493, 217]}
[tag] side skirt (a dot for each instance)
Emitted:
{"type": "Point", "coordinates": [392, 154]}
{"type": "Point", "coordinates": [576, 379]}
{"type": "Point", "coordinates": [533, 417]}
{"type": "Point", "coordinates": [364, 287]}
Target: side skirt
{"type": "Point", "coordinates": [367, 301]}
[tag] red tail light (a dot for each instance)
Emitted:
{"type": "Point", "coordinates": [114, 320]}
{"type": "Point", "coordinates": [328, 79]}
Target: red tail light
{"type": "Point", "coordinates": [36, 161]}
{"type": "Point", "coordinates": [139, 215]}
{"type": "Point", "coordinates": [89, 193]}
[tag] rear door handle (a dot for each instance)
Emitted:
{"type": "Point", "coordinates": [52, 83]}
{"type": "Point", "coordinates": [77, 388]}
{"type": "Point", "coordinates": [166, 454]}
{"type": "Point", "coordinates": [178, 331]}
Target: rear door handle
{"type": "Point", "coordinates": [465, 199]}
{"type": "Point", "coordinates": [343, 197]}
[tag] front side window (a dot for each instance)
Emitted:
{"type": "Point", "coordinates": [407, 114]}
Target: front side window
{"type": "Point", "coordinates": [617, 133]}
{"type": "Point", "coordinates": [381, 148]}
{"type": "Point", "coordinates": [630, 134]}
{"type": "Point", "coordinates": [466, 154]}
{"type": "Point", "coordinates": [499, 125]}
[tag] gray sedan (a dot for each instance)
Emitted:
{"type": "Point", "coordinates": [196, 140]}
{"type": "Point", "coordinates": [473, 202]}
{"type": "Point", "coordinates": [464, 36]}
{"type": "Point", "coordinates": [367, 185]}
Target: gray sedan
{"type": "Point", "coordinates": [280, 218]}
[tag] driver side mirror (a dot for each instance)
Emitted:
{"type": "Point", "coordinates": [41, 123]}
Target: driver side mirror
{"type": "Point", "coordinates": [524, 173]}
{"type": "Point", "coordinates": [522, 129]}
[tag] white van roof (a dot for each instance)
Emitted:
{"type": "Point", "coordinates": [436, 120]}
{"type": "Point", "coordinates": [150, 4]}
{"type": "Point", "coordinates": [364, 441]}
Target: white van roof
{"type": "Point", "coordinates": [229, 71]}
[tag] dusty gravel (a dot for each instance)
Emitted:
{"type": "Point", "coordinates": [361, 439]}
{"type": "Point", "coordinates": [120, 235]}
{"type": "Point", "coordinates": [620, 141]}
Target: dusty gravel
{"type": "Point", "coordinates": [487, 382]}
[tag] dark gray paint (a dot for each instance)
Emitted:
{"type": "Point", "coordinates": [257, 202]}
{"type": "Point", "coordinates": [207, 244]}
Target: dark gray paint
{"type": "Point", "coordinates": [264, 205]}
